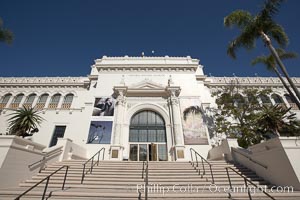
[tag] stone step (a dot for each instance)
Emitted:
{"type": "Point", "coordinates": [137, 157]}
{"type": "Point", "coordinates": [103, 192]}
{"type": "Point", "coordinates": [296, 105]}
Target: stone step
{"type": "Point", "coordinates": [203, 181]}
{"type": "Point", "coordinates": [163, 176]}
{"type": "Point", "coordinates": [178, 195]}
{"type": "Point", "coordinates": [152, 178]}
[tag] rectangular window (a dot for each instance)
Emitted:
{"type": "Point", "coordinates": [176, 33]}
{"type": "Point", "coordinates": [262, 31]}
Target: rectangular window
{"type": "Point", "coordinates": [162, 152]}
{"type": "Point", "coordinates": [133, 135]}
{"type": "Point", "coordinates": [133, 152]}
{"type": "Point", "coordinates": [151, 135]}
{"type": "Point", "coordinates": [143, 152]}
{"type": "Point", "coordinates": [161, 136]}
{"type": "Point", "coordinates": [59, 132]}
{"type": "Point", "coordinates": [143, 136]}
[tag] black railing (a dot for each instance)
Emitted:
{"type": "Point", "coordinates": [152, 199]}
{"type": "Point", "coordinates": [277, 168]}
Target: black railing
{"type": "Point", "coordinates": [145, 177]}
{"type": "Point", "coordinates": [254, 161]}
{"type": "Point", "coordinates": [93, 163]}
{"type": "Point", "coordinates": [246, 180]}
{"type": "Point", "coordinates": [45, 158]}
{"type": "Point", "coordinates": [47, 179]}
{"type": "Point", "coordinates": [203, 162]}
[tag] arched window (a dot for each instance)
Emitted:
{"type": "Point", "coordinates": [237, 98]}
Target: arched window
{"type": "Point", "coordinates": [291, 101]}
{"type": "Point", "coordinates": [147, 135]}
{"type": "Point", "coordinates": [265, 99]}
{"type": "Point", "coordinates": [67, 101]}
{"type": "Point", "coordinates": [43, 98]}
{"type": "Point", "coordinates": [29, 101]}
{"type": "Point", "coordinates": [147, 126]}
{"type": "Point", "coordinates": [17, 100]}
{"type": "Point", "coordinates": [42, 101]}
{"type": "Point", "coordinates": [54, 101]}
{"type": "Point", "coordinates": [4, 100]}
{"type": "Point", "coordinates": [238, 100]}
{"type": "Point", "coordinates": [277, 98]}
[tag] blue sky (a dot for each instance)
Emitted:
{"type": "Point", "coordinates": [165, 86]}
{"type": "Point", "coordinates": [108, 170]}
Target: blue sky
{"type": "Point", "coordinates": [64, 37]}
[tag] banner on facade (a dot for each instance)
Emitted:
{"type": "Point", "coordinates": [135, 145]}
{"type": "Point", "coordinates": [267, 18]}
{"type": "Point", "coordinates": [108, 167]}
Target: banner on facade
{"type": "Point", "coordinates": [100, 132]}
{"type": "Point", "coordinates": [194, 128]}
{"type": "Point", "coordinates": [104, 106]}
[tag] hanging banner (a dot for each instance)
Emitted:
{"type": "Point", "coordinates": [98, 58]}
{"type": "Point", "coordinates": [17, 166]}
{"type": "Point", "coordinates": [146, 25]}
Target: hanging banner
{"type": "Point", "coordinates": [194, 128]}
{"type": "Point", "coordinates": [100, 132]}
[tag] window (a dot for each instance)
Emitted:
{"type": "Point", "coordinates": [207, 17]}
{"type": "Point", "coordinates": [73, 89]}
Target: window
{"type": "Point", "coordinates": [67, 101]}
{"type": "Point", "coordinates": [43, 98]}
{"type": "Point", "coordinates": [277, 98]}
{"type": "Point", "coordinates": [5, 100]}
{"type": "Point", "coordinates": [55, 99]}
{"type": "Point", "coordinates": [42, 101]}
{"type": "Point", "coordinates": [147, 126]}
{"type": "Point", "coordinates": [17, 100]}
{"type": "Point", "coordinates": [291, 101]}
{"type": "Point", "coordinates": [30, 99]}
{"type": "Point", "coordinates": [265, 99]}
{"type": "Point", "coordinates": [59, 132]}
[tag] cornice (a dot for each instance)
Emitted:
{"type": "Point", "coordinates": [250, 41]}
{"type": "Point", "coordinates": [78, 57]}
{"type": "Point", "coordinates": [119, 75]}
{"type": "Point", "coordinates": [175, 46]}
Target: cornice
{"type": "Point", "coordinates": [146, 63]}
{"type": "Point", "coordinates": [247, 81]}
{"type": "Point", "coordinates": [43, 81]}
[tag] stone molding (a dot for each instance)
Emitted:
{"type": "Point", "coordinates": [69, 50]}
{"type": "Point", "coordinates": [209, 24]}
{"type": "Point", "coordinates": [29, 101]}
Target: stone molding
{"type": "Point", "coordinates": [247, 81]}
{"type": "Point", "coordinates": [43, 81]}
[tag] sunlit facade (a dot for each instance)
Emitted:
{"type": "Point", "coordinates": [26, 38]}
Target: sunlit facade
{"type": "Point", "coordinates": [138, 108]}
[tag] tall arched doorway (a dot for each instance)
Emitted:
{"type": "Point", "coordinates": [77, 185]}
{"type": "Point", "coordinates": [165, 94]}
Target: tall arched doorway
{"type": "Point", "coordinates": [147, 137]}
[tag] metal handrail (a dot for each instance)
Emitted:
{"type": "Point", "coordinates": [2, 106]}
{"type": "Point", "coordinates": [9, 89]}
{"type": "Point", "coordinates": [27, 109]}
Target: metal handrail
{"type": "Point", "coordinates": [90, 169]}
{"type": "Point", "coordinates": [256, 162]}
{"type": "Point", "coordinates": [246, 180]}
{"type": "Point", "coordinates": [46, 186]}
{"type": "Point", "coordinates": [44, 158]}
{"type": "Point", "coordinates": [202, 161]}
{"type": "Point", "coordinates": [145, 177]}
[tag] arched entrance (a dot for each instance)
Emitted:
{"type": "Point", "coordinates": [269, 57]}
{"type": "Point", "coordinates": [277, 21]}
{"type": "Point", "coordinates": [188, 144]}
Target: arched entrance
{"type": "Point", "coordinates": [147, 137]}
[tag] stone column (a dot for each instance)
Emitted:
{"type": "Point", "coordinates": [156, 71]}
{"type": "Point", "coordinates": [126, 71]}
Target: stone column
{"type": "Point", "coordinates": [174, 91]}
{"type": "Point", "coordinates": [116, 148]}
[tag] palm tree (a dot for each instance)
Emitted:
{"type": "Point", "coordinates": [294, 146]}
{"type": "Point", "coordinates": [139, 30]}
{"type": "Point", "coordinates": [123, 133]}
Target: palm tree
{"type": "Point", "coordinates": [260, 25]}
{"type": "Point", "coordinates": [270, 63]}
{"type": "Point", "coordinates": [193, 110]}
{"type": "Point", "coordinates": [24, 121]}
{"type": "Point", "coordinates": [5, 34]}
{"type": "Point", "coordinates": [276, 118]}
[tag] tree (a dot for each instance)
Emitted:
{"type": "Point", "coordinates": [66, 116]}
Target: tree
{"type": "Point", "coordinates": [250, 121]}
{"type": "Point", "coordinates": [277, 119]}
{"type": "Point", "coordinates": [270, 63]}
{"type": "Point", "coordinates": [5, 34]}
{"type": "Point", "coordinates": [24, 121]}
{"type": "Point", "coordinates": [236, 115]}
{"type": "Point", "coordinates": [260, 25]}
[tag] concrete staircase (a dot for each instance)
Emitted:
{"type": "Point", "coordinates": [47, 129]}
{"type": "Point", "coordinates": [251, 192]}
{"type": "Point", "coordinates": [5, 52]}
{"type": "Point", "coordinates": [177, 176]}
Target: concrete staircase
{"type": "Point", "coordinates": [122, 180]}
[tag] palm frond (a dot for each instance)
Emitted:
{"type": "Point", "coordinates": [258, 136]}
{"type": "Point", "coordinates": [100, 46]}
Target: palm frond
{"type": "Point", "coordinates": [288, 55]}
{"type": "Point", "coordinates": [269, 61]}
{"type": "Point", "coordinates": [270, 8]}
{"type": "Point", "coordinates": [277, 33]}
{"type": "Point", "coordinates": [246, 40]}
{"type": "Point", "coordinates": [191, 109]}
{"type": "Point", "coordinates": [239, 18]}
{"type": "Point", "coordinates": [23, 120]}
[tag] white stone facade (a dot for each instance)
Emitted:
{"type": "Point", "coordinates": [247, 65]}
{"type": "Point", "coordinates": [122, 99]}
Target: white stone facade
{"type": "Point", "coordinates": [157, 84]}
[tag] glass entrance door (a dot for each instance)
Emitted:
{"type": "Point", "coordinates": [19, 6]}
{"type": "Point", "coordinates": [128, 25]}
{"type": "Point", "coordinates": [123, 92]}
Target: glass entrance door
{"type": "Point", "coordinates": [147, 137]}
{"type": "Point", "coordinates": [150, 152]}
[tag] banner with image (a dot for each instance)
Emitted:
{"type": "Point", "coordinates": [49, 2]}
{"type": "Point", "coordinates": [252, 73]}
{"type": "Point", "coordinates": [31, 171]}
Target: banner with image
{"type": "Point", "coordinates": [194, 128]}
{"type": "Point", "coordinates": [104, 106]}
{"type": "Point", "coordinates": [100, 132]}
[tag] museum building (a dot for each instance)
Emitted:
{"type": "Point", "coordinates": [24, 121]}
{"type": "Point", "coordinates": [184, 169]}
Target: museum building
{"type": "Point", "coordinates": [137, 108]}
